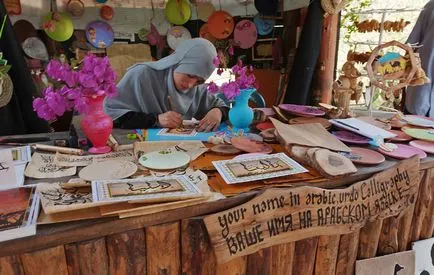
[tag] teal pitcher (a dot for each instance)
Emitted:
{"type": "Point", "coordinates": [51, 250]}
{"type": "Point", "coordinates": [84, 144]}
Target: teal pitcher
{"type": "Point", "coordinates": [241, 115]}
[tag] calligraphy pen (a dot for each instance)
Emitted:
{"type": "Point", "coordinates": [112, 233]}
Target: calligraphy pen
{"type": "Point", "coordinates": [169, 103]}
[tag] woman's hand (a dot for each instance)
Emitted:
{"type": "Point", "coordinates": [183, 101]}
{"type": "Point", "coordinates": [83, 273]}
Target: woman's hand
{"type": "Point", "coordinates": [211, 121]}
{"type": "Point", "coordinates": [170, 119]}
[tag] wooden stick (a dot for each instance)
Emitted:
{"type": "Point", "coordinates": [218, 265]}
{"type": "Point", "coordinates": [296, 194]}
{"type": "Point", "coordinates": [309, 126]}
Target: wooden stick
{"type": "Point", "coordinates": [113, 141]}
{"type": "Point", "coordinates": [51, 148]}
{"type": "Point", "coordinates": [124, 147]}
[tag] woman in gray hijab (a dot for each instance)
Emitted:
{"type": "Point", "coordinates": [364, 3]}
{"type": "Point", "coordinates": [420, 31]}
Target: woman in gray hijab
{"type": "Point", "coordinates": [164, 92]}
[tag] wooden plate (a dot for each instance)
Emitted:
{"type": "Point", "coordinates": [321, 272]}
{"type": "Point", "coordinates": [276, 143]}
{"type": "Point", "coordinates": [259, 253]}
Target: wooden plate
{"type": "Point", "coordinates": [398, 123]}
{"type": "Point", "coordinates": [419, 121]}
{"type": "Point", "coordinates": [251, 146]}
{"type": "Point", "coordinates": [164, 160]}
{"type": "Point", "coordinates": [302, 110]}
{"type": "Point", "coordinates": [304, 120]}
{"type": "Point", "coordinates": [106, 170]}
{"type": "Point", "coordinates": [365, 156]}
{"type": "Point", "coordinates": [404, 152]}
{"type": "Point", "coordinates": [245, 34]}
{"type": "Point", "coordinates": [427, 146]}
{"type": "Point", "coordinates": [350, 137]}
{"type": "Point", "coordinates": [264, 125]}
{"type": "Point", "coordinates": [221, 24]}
{"type": "Point", "coordinates": [423, 134]}
{"type": "Point", "coordinates": [225, 149]}
{"type": "Point", "coordinates": [400, 136]}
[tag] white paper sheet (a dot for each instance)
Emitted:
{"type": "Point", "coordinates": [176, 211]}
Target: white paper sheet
{"type": "Point", "coordinates": [8, 177]}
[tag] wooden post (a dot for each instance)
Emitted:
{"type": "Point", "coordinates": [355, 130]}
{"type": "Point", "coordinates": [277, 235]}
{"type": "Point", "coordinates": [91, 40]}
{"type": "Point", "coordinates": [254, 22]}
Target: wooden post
{"type": "Point", "coordinates": [326, 61]}
{"type": "Point", "coordinates": [304, 258]}
{"type": "Point", "coordinates": [428, 222]}
{"type": "Point", "coordinates": [46, 261]}
{"type": "Point", "coordinates": [260, 262]}
{"type": "Point", "coordinates": [88, 257]}
{"type": "Point", "coordinates": [283, 258]}
{"type": "Point", "coordinates": [162, 242]}
{"type": "Point", "coordinates": [404, 230]}
{"type": "Point", "coordinates": [347, 255]}
{"type": "Point", "coordinates": [326, 255]}
{"type": "Point", "coordinates": [422, 204]}
{"type": "Point", "coordinates": [11, 265]}
{"type": "Point", "coordinates": [388, 242]}
{"type": "Point", "coordinates": [236, 266]}
{"type": "Point", "coordinates": [197, 255]}
{"type": "Point", "coordinates": [368, 240]}
{"type": "Point", "coordinates": [127, 252]}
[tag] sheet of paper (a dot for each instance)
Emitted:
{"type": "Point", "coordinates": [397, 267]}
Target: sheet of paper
{"type": "Point", "coordinates": [424, 256]}
{"type": "Point", "coordinates": [178, 132]}
{"type": "Point", "coordinates": [362, 128]}
{"type": "Point", "coordinates": [401, 263]}
{"type": "Point", "coordinates": [42, 166]}
{"type": "Point", "coordinates": [194, 149]}
{"type": "Point", "coordinates": [21, 154]}
{"type": "Point", "coordinates": [8, 177]}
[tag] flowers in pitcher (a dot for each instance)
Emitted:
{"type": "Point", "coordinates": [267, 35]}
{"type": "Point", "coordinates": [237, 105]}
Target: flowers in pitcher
{"type": "Point", "coordinates": [242, 77]}
{"type": "Point", "coordinates": [95, 77]}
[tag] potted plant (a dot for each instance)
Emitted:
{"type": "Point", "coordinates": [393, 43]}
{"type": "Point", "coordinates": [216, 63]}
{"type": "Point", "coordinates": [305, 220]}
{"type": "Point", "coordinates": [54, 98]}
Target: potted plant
{"type": "Point", "coordinates": [82, 90]}
{"type": "Point", "coordinates": [237, 89]}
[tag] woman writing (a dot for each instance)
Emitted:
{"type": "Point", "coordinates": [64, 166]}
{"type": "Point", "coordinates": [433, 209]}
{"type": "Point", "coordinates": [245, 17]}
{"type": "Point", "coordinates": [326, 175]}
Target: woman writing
{"type": "Point", "coordinates": [165, 92]}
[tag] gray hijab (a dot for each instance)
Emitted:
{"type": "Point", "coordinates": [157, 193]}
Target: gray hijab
{"type": "Point", "coordinates": [146, 86]}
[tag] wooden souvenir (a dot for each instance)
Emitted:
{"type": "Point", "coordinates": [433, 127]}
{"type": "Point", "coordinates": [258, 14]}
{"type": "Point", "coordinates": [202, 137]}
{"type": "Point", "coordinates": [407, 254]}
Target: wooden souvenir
{"type": "Point", "coordinates": [225, 149]}
{"type": "Point", "coordinates": [347, 88]}
{"type": "Point", "coordinates": [330, 164]}
{"type": "Point", "coordinates": [75, 8]}
{"type": "Point", "coordinates": [392, 67]}
{"type": "Point", "coordinates": [13, 7]}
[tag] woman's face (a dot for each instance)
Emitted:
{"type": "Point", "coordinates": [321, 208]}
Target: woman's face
{"type": "Point", "coordinates": [184, 82]}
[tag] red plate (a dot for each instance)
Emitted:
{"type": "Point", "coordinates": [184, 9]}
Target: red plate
{"type": "Point", "coordinates": [302, 110]}
{"type": "Point", "coordinates": [365, 156]}
{"type": "Point", "coordinates": [251, 146]}
{"type": "Point", "coordinates": [404, 152]}
{"type": "Point", "coordinates": [400, 136]}
{"type": "Point", "coordinates": [350, 137]}
{"type": "Point", "coordinates": [264, 126]}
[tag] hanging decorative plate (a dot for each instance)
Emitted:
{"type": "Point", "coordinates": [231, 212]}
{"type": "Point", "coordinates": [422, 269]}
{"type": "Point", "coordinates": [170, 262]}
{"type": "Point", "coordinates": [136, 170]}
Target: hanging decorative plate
{"type": "Point", "coordinates": [304, 120]}
{"type": "Point", "coordinates": [251, 146]}
{"type": "Point", "coordinates": [204, 10]}
{"type": "Point", "coordinates": [419, 121]}
{"type": "Point", "coordinates": [267, 7]}
{"type": "Point", "coordinates": [108, 170]}
{"type": "Point", "coordinates": [221, 24]}
{"type": "Point", "coordinates": [245, 34]}
{"type": "Point", "coordinates": [101, 1]}
{"type": "Point", "coordinates": [58, 26]}
{"type": "Point", "coordinates": [23, 29]}
{"type": "Point", "coordinates": [35, 48]}
{"type": "Point", "coordinates": [426, 146]}
{"type": "Point", "coordinates": [365, 156]}
{"type": "Point", "coordinates": [400, 136]}
{"type": "Point", "coordinates": [423, 134]}
{"type": "Point", "coordinates": [13, 7]}
{"type": "Point", "coordinates": [404, 152]}
{"type": "Point", "coordinates": [100, 34]}
{"type": "Point", "coordinates": [164, 160]}
{"type": "Point", "coordinates": [264, 26]}
{"type": "Point", "coordinates": [160, 23]}
{"type": "Point", "coordinates": [301, 110]}
{"type": "Point", "coordinates": [106, 12]}
{"type": "Point", "coordinates": [142, 34]}
{"type": "Point", "coordinates": [204, 33]}
{"type": "Point", "coordinates": [176, 35]}
{"type": "Point", "coordinates": [350, 137]}
{"type": "Point", "coordinates": [75, 8]}
{"type": "Point", "coordinates": [178, 12]}
{"type": "Point", "coordinates": [6, 89]}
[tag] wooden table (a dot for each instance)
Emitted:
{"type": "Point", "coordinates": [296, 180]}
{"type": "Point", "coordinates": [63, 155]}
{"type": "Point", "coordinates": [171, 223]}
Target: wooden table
{"type": "Point", "coordinates": [176, 241]}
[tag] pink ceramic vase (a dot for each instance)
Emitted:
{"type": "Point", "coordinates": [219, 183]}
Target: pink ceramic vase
{"type": "Point", "coordinates": [97, 125]}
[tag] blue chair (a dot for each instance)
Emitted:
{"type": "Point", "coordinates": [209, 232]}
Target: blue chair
{"type": "Point", "coordinates": [257, 99]}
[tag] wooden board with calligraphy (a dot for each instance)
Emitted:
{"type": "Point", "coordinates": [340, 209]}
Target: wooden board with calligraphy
{"type": "Point", "coordinates": [277, 216]}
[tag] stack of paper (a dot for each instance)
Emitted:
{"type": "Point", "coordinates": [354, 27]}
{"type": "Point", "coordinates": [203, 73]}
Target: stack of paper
{"type": "Point", "coordinates": [19, 209]}
{"type": "Point", "coordinates": [362, 128]}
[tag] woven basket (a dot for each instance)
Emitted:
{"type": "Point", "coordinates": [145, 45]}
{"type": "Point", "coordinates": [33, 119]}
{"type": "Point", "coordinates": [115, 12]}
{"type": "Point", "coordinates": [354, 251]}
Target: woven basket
{"type": "Point", "coordinates": [330, 7]}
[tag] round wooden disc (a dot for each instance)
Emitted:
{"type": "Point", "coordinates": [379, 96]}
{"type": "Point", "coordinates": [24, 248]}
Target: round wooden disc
{"type": "Point", "coordinates": [404, 152]}
{"type": "Point", "coordinates": [251, 146]}
{"type": "Point", "coordinates": [225, 149]}
{"type": "Point", "coordinates": [304, 120]}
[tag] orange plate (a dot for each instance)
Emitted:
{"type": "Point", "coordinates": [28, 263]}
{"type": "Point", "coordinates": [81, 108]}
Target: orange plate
{"type": "Point", "coordinates": [221, 24]}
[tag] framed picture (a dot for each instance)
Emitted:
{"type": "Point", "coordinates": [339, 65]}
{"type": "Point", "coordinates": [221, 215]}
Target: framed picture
{"type": "Point", "coordinates": [263, 49]}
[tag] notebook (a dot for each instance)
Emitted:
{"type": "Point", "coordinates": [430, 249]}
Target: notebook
{"type": "Point", "coordinates": [19, 209]}
{"type": "Point", "coordinates": [362, 128]}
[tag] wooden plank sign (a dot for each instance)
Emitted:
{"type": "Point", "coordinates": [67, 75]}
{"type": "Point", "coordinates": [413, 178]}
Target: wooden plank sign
{"type": "Point", "coordinates": [278, 216]}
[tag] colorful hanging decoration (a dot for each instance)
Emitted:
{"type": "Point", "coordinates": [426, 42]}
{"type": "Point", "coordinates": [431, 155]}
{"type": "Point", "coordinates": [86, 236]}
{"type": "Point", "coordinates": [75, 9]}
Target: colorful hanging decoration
{"type": "Point", "coordinates": [221, 24]}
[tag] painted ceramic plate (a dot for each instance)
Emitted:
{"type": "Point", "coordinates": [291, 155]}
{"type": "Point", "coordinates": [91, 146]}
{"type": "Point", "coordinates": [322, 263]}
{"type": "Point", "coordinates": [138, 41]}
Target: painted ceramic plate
{"type": "Point", "coordinates": [99, 34]}
{"type": "Point", "coordinates": [204, 33]}
{"type": "Point", "coordinates": [176, 36]}
{"type": "Point", "coordinates": [23, 29]}
{"type": "Point", "coordinates": [404, 152]}
{"type": "Point", "coordinates": [106, 170]}
{"type": "Point", "coordinates": [419, 121]}
{"type": "Point", "coordinates": [221, 24]}
{"type": "Point", "coordinates": [423, 145]}
{"type": "Point", "coordinates": [350, 137]}
{"type": "Point", "coordinates": [245, 34]}
{"type": "Point", "coordinates": [60, 29]}
{"type": "Point", "coordinates": [251, 146]}
{"type": "Point", "coordinates": [265, 125]}
{"type": "Point", "coordinates": [35, 48]}
{"type": "Point", "coordinates": [400, 136]}
{"type": "Point", "coordinates": [107, 12]}
{"type": "Point", "coordinates": [301, 110]}
{"type": "Point", "coordinates": [177, 12]}
{"type": "Point", "coordinates": [264, 26]}
{"type": "Point", "coordinates": [164, 160]}
{"type": "Point", "coordinates": [423, 134]}
{"type": "Point", "coordinates": [161, 24]}
{"type": "Point", "coordinates": [304, 120]}
{"type": "Point", "coordinates": [365, 156]}
{"type": "Point", "coordinates": [267, 7]}
{"type": "Point", "coordinates": [204, 10]}
{"type": "Point", "coordinates": [398, 123]}
{"type": "Point", "coordinates": [225, 149]}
